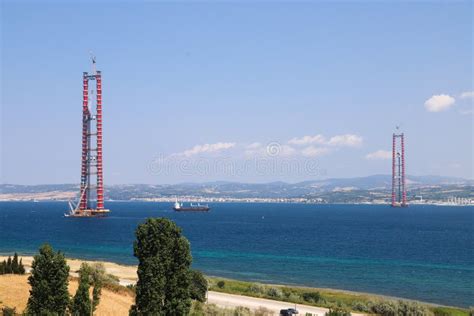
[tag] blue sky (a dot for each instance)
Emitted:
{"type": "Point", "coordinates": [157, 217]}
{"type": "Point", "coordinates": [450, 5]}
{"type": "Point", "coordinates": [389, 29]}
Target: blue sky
{"type": "Point", "coordinates": [193, 84]}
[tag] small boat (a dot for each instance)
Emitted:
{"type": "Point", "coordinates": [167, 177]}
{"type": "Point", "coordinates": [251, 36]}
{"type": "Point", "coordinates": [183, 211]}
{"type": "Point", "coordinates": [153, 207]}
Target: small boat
{"type": "Point", "coordinates": [179, 207]}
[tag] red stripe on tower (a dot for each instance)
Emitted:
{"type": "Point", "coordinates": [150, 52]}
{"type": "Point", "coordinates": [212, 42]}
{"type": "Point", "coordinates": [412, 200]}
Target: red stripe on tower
{"type": "Point", "coordinates": [100, 183]}
{"type": "Point", "coordinates": [85, 121]}
{"type": "Point", "coordinates": [404, 192]}
{"type": "Point", "coordinates": [393, 170]}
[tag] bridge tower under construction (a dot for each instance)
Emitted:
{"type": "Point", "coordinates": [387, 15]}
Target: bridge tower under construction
{"type": "Point", "coordinates": [399, 193]}
{"type": "Point", "coordinates": [91, 197]}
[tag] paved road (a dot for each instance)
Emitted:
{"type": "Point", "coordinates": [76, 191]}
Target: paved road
{"type": "Point", "coordinates": [232, 301]}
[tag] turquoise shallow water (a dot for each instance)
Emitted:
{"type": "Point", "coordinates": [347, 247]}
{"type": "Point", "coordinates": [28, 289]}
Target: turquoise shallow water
{"type": "Point", "coordinates": [421, 252]}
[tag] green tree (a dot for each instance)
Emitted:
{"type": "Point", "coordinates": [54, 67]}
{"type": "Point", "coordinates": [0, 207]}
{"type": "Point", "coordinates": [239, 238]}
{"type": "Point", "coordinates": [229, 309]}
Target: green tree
{"type": "Point", "coordinates": [198, 286]}
{"type": "Point", "coordinates": [81, 305]}
{"type": "Point", "coordinates": [15, 264]}
{"type": "Point", "coordinates": [8, 266]}
{"type": "Point", "coordinates": [3, 267]}
{"type": "Point", "coordinates": [21, 267]}
{"type": "Point", "coordinates": [98, 276]}
{"type": "Point", "coordinates": [49, 282]}
{"type": "Point", "coordinates": [164, 258]}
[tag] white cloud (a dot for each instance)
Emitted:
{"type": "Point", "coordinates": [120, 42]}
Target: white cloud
{"type": "Point", "coordinates": [207, 148]}
{"type": "Point", "coordinates": [312, 151]}
{"type": "Point", "coordinates": [440, 102]}
{"type": "Point", "coordinates": [255, 145]}
{"type": "Point", "coordinates": [306, 140]}
{"type": "Point", "coordinates": [467, 95]}
{"type": "Point", "coordinates": [379, 154]}
{"type": "Point", "coordinates": [286, 150]}
{"type": "Point", "coordinates": [349, 140]}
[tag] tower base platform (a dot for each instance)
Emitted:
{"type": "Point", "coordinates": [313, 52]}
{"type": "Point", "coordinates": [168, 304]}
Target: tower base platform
{"type": "Point", "coordinates": [399, 205]}
{"type": "Point", "coordinates": [88, 213]}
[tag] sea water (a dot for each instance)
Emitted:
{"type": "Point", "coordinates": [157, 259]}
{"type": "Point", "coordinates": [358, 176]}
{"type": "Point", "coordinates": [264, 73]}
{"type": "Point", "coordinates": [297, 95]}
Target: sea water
{"type": "Point", "coordinates": [421, 252]}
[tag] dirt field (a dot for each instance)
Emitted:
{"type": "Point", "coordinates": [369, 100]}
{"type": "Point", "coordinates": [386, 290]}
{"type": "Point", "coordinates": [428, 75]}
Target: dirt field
{"type": "Point", "coordinates": [14, 292]}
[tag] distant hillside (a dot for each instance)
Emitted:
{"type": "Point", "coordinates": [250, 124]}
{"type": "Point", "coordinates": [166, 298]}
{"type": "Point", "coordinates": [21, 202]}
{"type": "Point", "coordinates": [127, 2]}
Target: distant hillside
{"type": "Point", "coordinates": [334, 190]}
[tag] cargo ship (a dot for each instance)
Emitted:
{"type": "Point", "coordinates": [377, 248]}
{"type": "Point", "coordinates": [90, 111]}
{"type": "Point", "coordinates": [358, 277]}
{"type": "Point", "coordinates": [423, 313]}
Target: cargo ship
{"type": "Point", "coordinates": [179, 207]}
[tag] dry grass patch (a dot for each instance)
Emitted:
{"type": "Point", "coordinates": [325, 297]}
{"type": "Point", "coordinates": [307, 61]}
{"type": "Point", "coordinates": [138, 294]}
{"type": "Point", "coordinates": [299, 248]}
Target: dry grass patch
{"type": "Point", "coordinates": [14, 292]}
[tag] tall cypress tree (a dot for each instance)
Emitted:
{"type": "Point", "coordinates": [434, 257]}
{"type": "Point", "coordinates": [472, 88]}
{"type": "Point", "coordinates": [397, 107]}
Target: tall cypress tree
{"type": "Point", "coordinates": [97, 275]}
{"type": "Point", "coordinates": [163, 270]}
{"type": "Point", "coordinates": [49, 282]}
{"type": "Point", "coordinates": [3, 266]}
{"type": "Point", "coordinates": [15, 264]}
{"type": "Point", "coordinates": [21, 267]}
{"type": "Point", "coordinates": [8, 266]}
{"type": "Point", "coordinates": [82, 303]}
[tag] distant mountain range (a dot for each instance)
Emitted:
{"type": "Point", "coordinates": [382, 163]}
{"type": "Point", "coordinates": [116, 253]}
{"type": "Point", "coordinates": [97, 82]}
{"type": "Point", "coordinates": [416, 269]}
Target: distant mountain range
{"type": "Point", "coordinates": [333, 190]}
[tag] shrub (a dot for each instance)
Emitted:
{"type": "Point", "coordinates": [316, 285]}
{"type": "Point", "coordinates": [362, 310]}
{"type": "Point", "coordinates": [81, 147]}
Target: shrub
{"type": "Point", "coordinates": [8, 311]}
{"type": "Point", "coordinates": [338, 311]}
{"type": "Point", "coordinates": [312, 297]}
{"type": "Point", "coordinates": [110, 279]}
{"type": "Point", "coordinates": [221, 284]}
{"type": "Point", "coordinates": [471, 311]}
{"type": "Point", "coordinates": [274, 292]}
{"type": "Point", "coordinates": [385, 308]}
{"type": "Point", "coordinates": [212, 310]}
{"type": "Point", "coordinates": [406, 308]}
{"type": "Point", "coordinates": [256, 288]}
{"type": "Point", "coordinates": [263, 311]}
{"type": "Point", "coordinates": [293, 297]}
{"type": "Point", "coordinates": [362, 306]}
{"type": "Point", "coordinates": [242, 311]}
{"type": "Point", "coordinates": [131, 287]}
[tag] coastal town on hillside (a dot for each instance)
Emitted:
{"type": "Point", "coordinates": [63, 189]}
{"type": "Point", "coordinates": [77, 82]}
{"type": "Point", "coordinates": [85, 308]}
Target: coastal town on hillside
{"type": "Point", "coordinates": [349, 191]}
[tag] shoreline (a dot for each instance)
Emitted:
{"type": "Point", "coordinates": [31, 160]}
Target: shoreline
{"type": "Point", "coordinates": [127, 275]}
{"type": "Point", "coordinates": [244, 201]}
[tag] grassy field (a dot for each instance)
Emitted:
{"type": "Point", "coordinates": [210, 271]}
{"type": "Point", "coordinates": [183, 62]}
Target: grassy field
{"type": "Point", "coordinates": [357, 302]}
{"type": "Point", "coordinates": [14, 292]}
